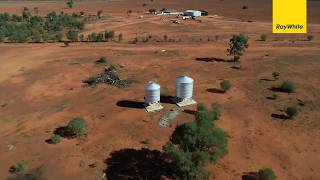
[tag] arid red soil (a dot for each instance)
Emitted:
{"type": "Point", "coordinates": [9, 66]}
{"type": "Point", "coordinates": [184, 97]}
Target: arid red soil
{"type": "Point", "coordinates": [41, 89]}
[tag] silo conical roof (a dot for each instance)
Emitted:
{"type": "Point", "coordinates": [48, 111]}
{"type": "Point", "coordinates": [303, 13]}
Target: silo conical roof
{"type": "Point", "coordinates": [152, 86]}
{"type": "Point", "coordinates": [184, 79]}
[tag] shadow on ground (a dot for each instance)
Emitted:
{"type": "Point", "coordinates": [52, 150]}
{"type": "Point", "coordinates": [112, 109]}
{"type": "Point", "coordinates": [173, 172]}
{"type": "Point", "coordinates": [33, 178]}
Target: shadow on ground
{"type": "Point", "coordinates": [131, 104]}
{"type": "Point", "coordinates": [280, 116]}
{"type": "Point", "coordinates": [250, 176]}
{"type": "Point", "coordinates": [212, 59]}
{"type": "Point", "coordinates": [167, 99]}
{"type": "Point", "coordinates": [138, 164]}
{"type": "Point", "coordinates": [215, 90]}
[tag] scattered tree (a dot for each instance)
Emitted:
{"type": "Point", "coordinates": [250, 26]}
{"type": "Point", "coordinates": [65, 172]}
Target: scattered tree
{"type": "Point", "coordinates": [274, 96]}
{"type": "Point", "coordinates": [237, 45]}
{"type": "Point", "coordinates": [288, 86]}
{"type": "Point", "coordinates": [225, 85]}
{"type": "Point", "coordinates": [165, 37]}
{"type": "Point", "coordinates": [266, 174]}
{"type": "Point", "coordinates": [310, 37]}
{"type": "Point", "coordinates": [244, 7]}
{"type": "Point", "coordinates": [101, 60]}
{"type": "Point", "coordinates": [275, 75]}
{"type": "Point", "coordinates": [36, 10]}
{"type": "Point", "coordinates": [152, 11]}
{"type": "Point", "coordinates": [120, 37]}
{"type": "Point", "coordinates": [192, 145]}
{"type": "Point", "coordinates": [263, 37]}
{"type": "Point", "coordinates": [292, 112]}
{"type": "Point", "coordinates": [99, 13]}
{"type": "Point", "coordinates": [129, 12]}
{"type": "Point", "coordinates": [70, 3]}
{"type": "Point", "coordinates": [77, 127]}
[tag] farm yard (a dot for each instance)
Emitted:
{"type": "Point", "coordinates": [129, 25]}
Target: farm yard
{"type": "Point", "coordinates": [270, 98]}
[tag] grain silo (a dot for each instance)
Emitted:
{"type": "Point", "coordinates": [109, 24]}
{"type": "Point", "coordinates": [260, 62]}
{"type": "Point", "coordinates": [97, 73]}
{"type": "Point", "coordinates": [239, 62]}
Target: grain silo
{"type": "Point", "coordinates": [184, 91]}
{"type": "Point", "coordinates": [152, 97]}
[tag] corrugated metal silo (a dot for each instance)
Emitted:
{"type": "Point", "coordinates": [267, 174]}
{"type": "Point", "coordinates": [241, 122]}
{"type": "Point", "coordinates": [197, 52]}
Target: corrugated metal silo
{"type": "Point", "coordinates": [184, 87]}
{"type": "Point", "coordinates": [152, 93]}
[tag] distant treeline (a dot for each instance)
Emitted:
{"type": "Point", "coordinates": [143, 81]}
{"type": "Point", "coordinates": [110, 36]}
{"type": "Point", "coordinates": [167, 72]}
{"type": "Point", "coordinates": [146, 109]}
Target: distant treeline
{"type": "Point", "coordinates": [53, 27]}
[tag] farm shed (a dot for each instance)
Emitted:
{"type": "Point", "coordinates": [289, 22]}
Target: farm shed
{"type": "Point", "coordinates": [192, 13]}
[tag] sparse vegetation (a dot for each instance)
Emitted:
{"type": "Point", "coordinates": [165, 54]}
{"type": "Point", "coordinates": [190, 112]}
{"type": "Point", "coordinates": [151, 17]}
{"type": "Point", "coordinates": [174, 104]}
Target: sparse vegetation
{"type": "Point", "coordinates": [275, 75]}
{"type": "Point", "coordinates": [55, 139]}
{"type": "Point", "coordinates": [237, 45]}
{"type": "Point", "coordinates": [310, 37]}
{"type": "Point", "coordinates": [263, 37]}
{"type": "Point", "coordinates": [152, 11]}
{"type": "Point", "coordinates": [266, 174]}
{"type": "Point", "coordinates": [288, 86]}
{"type": "Point", "coordinates": [225, 85]}
{"type": "Point", "coordinates": [120, 37]}
{"type": "Point", "coordinates": [192, 145]}
{"type": "Point", "coordinates": [274, 96]}
{"type": "Point", "coordinates": [77, 127]}
{"type": "Point", "coordinates": [292, 112]}
{"type": "Point", "coordinates": [70, 3]}
{"type": "Point", "coordinates": [99, 13]}
{"type": "Point", "coordinates": [18, 168]}
{"type": "Point", "coordinates": [102, 60]}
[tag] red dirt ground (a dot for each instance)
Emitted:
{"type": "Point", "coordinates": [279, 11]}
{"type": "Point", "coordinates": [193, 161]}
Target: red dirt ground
{"type": "Point", "coordinates": [41, 89]}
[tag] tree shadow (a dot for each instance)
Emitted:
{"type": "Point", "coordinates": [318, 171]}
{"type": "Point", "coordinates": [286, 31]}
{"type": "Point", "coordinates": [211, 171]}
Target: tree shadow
{"type": "Point", "coordinates": [131, 104]}
{"type": "Point", "coordinates": [280, 116]}
{"type": "Point", "coordinates": [265, 79]}
{"type": "Point", "coordinates": [215, 90]}
{"type": "Point", "coordinates": [167, 99]}
{"type": "Point", "coordinates": [192, 112]}
{"type": "Point", "coordinates": [64, 132]}
{"type": "Point", "coordinates": [250, 176]}
{"type": "Point", "coordinates": [277, 89]}
{"type": "Point", "coordinates": [138, 164]}
{"type": "Point", "coordinates": [212, 59]}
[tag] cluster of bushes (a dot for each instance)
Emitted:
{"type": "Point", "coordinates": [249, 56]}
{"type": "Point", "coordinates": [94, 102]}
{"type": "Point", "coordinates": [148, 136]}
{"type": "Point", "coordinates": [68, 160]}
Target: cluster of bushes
{"type": "Point", "coordinates": [77, 127]}
{"type": "Point", "coordinates": [194, 144]}
{"type": "Point", "coordinates": [26, 28]}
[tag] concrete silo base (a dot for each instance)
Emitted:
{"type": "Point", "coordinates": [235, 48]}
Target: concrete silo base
{"type": "Point", "coordinates": [154, 107]}
{"type": "Point", "coordinates": [186, 102]}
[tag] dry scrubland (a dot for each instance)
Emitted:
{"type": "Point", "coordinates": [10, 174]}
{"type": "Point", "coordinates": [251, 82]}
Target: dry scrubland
{"type": "Point", "coordinates": [41, 89]}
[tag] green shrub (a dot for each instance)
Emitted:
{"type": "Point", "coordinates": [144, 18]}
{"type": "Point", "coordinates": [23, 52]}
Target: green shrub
{"type": "Point", "coordinates": [266, 174]}
{"type": "Point", "coordinates": [225, 85]}
{"type": "Point", "coordinates": [18, 168]}
{"type": "Point", "coordinates": [263, 37]}
{"type": "Point", "coordinates": [77, 126]}
{"type": "Point", "coordinates": [292, 112]}
{"type": "Point", "coordinates": [288, 86]}
{"type": "Point", "coordinates": [102, 60]}
{"type": "Point", "coordinates": [55, 139]}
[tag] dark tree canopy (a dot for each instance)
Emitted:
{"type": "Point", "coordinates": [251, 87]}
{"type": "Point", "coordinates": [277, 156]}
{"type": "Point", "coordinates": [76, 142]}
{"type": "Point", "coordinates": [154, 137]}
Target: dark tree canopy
{"type": "Point", "coordinates": [194, 144]}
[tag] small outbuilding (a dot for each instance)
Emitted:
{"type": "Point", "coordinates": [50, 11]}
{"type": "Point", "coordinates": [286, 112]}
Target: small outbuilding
{"type": "Point", "coordinates": [192, 13]}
